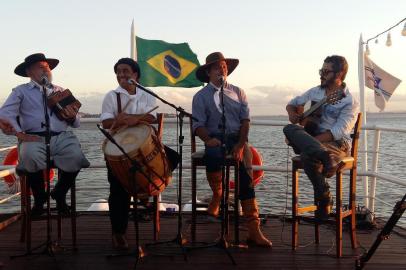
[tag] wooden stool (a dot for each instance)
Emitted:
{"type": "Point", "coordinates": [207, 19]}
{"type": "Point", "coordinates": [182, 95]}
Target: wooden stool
{"type": "Point", "coordinates": [26, 215]}
{"type": "Point", "coordinates": [348, 163]}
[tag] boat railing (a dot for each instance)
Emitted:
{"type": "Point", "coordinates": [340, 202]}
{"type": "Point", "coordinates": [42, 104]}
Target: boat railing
{"type": "Point", "coordinates": [372, 175]}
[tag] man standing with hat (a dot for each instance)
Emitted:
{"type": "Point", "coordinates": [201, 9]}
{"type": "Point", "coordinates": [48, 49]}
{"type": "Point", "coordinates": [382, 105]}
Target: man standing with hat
{"type": "Point", "coordinates": [24, 110]}
{"type": "Point", "coordinates": [207, 109]}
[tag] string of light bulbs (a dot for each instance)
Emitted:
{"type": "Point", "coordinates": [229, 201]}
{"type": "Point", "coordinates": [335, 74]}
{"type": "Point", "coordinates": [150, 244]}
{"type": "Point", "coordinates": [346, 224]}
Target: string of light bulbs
{"type": "Point", "coordinates": [388, 37]}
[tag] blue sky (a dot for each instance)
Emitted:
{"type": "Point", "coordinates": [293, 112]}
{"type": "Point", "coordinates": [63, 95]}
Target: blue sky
{"type": "Point", "coordinates": [280, 44]}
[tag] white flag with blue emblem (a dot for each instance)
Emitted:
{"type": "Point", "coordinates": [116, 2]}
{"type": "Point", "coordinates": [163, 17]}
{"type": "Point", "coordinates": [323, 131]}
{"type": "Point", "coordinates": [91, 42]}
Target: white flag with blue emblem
{"type": "Point", "coordinates": [383, 83]}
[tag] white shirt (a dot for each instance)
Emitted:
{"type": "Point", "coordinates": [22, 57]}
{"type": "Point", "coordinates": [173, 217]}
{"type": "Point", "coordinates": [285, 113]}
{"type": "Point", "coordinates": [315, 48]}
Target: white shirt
{"type": "Point", "coordinates": [140, 103]}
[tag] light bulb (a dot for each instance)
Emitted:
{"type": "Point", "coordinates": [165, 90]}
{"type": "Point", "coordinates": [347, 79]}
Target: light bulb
{"type": "Point", "coordinates": [388, 40]}
{"type": "Point", "coordinates": [404, 30]}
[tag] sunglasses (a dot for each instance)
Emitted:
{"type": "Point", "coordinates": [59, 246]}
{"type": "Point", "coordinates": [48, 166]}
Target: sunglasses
{"type": "Point", "coordinates": [324, 72]}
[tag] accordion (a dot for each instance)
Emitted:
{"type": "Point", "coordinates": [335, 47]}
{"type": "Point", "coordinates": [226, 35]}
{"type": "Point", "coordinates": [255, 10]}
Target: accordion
{"type": "Point", "coordinates": [60, 101]}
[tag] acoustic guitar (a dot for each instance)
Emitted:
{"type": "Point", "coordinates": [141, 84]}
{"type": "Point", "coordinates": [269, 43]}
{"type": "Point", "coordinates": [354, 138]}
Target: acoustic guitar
{"type": "Point", "coordinates": [310, 118]}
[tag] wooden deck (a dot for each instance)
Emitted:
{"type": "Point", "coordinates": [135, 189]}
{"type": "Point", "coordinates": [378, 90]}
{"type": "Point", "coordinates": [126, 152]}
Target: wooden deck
{"type": "Point", "coordinates": [94, 243]}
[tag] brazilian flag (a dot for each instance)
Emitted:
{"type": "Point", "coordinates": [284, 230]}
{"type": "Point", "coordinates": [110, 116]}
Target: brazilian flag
{"type": "Point", "coordinates": [166, 64]}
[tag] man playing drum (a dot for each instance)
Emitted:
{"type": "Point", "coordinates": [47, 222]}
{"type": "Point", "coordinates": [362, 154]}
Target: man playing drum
{"type": "Point", "coordinates": [207, 109]}
{"type": "Point", "coordinates": [126, 106]}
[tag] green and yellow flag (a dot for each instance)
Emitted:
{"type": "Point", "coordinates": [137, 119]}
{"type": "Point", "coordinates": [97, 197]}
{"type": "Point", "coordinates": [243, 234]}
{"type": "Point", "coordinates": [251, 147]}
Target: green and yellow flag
{"type": "Point", "coordinates": [166, 64]}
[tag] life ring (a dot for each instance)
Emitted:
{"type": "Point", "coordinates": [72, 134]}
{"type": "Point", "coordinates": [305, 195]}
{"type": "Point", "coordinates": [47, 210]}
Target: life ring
{"type": "Point", "coordinates": [256, 160]}
{"type": "Point", "coordinates": [12, 159]}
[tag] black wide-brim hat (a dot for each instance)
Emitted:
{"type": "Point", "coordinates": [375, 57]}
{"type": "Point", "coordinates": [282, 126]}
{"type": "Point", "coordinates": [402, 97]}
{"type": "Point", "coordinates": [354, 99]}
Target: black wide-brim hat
{"type": "Point", "coordinates": [32, 59]}
{"type": "Point", "coordinates": [201, 72]}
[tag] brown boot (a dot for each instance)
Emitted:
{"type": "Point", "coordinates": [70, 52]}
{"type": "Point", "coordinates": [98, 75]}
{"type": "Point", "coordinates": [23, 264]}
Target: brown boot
{"type": "Point", "coordinates": [250, 211]}
{"type": "Point", "coordinates": [214, 179]}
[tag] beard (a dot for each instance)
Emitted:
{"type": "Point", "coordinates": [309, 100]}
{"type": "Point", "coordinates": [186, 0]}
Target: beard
{"type": "Point", "coordinates": [325, 83]}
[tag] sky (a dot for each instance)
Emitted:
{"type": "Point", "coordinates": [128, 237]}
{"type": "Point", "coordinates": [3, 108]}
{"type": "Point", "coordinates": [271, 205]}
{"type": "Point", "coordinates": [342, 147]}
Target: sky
{"type": "Point", "coordinates": [281, 45]}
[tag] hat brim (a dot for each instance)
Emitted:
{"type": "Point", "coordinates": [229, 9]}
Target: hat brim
{"type": "Point", "coordinates": [21, 68]}
{"type": "Point", "coordinates": [201, 72]}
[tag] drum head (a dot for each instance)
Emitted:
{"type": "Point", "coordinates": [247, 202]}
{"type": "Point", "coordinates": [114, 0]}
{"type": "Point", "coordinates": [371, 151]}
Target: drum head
{"type": "Point", "coordinates": [129, 139]}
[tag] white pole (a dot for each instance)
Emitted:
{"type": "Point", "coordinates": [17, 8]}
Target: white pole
{"type": "Point", "coordinates": [375, 157]}
{"type": "Point", "coordinates": [363, 142]}
{"type": "Point", "coordinates": [133, 48]}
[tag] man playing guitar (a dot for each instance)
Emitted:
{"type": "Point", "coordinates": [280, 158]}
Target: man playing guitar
{"type": "Point", "coordinates": [329, 140]}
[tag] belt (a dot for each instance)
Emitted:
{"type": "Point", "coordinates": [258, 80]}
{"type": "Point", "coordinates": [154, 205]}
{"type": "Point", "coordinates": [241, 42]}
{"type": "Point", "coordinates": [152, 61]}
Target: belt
{"type": "Point", "coordinates": [43, 133]}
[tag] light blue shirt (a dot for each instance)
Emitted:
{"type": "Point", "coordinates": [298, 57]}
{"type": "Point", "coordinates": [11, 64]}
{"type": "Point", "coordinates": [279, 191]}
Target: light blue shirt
{"type": "Point", "coordinates": [338, 118]}
{"type": "Point", "coordinates": [26, 102]}
{"type": "Point", "coordinates": [207, 110]}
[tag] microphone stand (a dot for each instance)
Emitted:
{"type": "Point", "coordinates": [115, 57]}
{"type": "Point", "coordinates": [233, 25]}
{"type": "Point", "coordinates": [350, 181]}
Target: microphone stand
{"type": "Point", "coordinates": [225, 185]}
{"type": "Point", "coordinates": [398, 211]}
{"type": "Point", "coordinates": [179, 240]}
{"type": "Point", "coordinates": [49, 245]}
{"type": "Point", "coordinates": [222, 242]}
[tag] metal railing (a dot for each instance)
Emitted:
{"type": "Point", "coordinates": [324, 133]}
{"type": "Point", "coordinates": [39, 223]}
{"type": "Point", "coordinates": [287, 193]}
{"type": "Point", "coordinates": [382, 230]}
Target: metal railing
{"type": "Point", "coordinates": [372, 172]}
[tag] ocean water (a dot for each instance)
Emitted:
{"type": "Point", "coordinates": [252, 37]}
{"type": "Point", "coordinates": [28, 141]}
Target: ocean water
{"type": "Point", "coordinates": [273, 191]}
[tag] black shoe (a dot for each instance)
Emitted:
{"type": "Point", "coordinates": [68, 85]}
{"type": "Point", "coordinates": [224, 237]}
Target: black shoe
{"type": "Point", "coordinates": [324, 208]}
{"type": "Point", "coordinates": [37, 210]}
{"type": "Point", "coordinates": [61, 205]}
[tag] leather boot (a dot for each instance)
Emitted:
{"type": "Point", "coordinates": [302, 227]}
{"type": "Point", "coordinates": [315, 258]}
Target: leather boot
{"type": "Point", "coordinates": [324, 207]}
{"type": "Point", "coordinates": [250, 211]}
{"type": "Point", "coordinates": [214, 179]}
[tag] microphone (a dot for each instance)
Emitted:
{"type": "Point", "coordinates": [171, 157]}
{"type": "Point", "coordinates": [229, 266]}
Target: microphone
{"type": "Point", "coordinates": [45, 81]}
{"type": "Point", "coordinates": [222, 80]}
{"type": "Point", "coordinates": [133, 82]}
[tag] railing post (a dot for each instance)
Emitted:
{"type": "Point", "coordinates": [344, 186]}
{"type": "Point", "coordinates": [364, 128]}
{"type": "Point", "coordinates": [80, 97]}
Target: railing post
{"type": "Point", "coordinates": [377, 136]}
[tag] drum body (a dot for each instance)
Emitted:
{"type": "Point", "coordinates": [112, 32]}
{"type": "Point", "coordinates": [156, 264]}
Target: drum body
{"type": "Point", "coordinates": [142, 145]}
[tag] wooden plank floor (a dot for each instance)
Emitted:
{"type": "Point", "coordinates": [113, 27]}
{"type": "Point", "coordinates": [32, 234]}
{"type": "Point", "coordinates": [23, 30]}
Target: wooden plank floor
{"type": "Point", "coordinates": [94, 243]}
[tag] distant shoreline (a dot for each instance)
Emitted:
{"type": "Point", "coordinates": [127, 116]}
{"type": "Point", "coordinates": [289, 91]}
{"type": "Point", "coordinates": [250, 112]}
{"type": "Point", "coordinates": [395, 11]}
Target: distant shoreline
{"type": "Point", "coordinates": [171, 115]}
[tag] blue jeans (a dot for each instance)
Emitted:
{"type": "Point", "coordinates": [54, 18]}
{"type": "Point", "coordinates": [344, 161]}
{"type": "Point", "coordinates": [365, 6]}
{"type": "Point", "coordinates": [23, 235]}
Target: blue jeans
{"type": "Point", "coordinates": [311, 150]}
{"type": "Point", "coordinates": [214, 160]}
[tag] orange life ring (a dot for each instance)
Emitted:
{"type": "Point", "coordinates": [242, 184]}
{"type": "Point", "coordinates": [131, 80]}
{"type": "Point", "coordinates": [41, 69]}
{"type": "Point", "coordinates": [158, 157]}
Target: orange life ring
{"type": "Point", "coordinates": [12, 159]}
{"type": "Point", "coordinates": [256, 160]}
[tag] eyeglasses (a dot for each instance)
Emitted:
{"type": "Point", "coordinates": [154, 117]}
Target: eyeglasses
{"type": "Point", "coordinates": [324, 72]}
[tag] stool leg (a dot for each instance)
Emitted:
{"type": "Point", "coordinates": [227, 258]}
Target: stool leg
{"type": "Point", "coordinates": [316, 229]}
{"type": "Point", "coordinates": [339, 216]}
{"type": "Point", "coordinates": [236, 205]}
{"type": "Point", "coordinates": [23, 196]}
{"type": "Point", "coordinates": [73, 214]}
{"type": "Point", "coordinates": [28, 217]}
{"type": "Point", "coordinates": [353, 188]}
{"type": "Point", "coordinates": [226, 194]}
{"type": "Point", "coordinates": [156, 217]}
{"type": "Point", "coordinates": [59, 221]}
{"type": "Point", "coordinates": [295, 198]}
{"type": "Point", "coordinates": [193, 225]}
{"type": "Point", "coordinates": [226, 198]}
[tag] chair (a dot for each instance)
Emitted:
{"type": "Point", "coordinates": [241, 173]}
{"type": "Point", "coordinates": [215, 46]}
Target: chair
{"type": "Point", "coordinates": [347, 163]}
{"type": "Point", "coordinates": [156, 199]}
{"type": "Point", "coordinates": [197, 159]}
{"type": "Point", "coordinates": [26, 215]}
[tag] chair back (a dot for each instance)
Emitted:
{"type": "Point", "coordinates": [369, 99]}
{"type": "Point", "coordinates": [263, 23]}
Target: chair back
{"type": "Point", "coordinates": [192, 136]}
{"type": "Point", "coordinates": [355, 138]}
{"type": "Point", "coordinates": [160, 121]}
